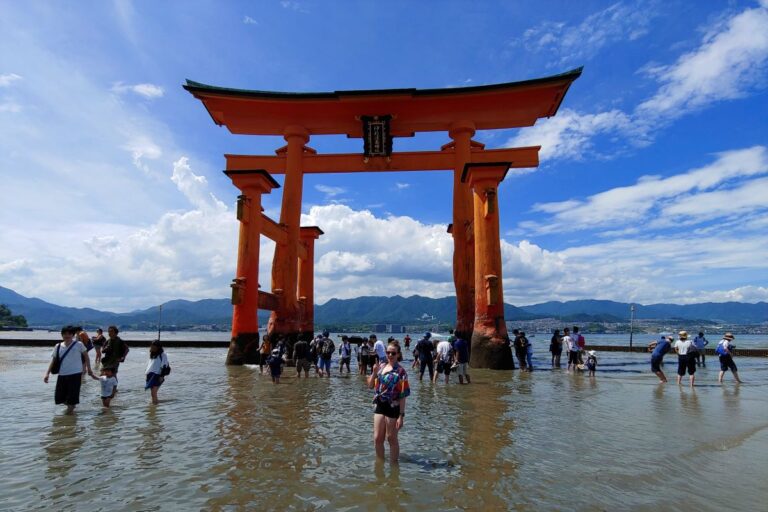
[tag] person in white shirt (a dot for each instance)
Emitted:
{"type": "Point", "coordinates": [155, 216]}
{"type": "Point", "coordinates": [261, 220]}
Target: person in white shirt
{"type": "Point", "coordinates": [684, 360]}
{"type": "Point", "coordinates": [157, 369]}
{"type": "Point", "coordinates": [444, 359]}
{"type": "Point", "coordinates": [108, 385]}
{"type": "Point", "coordinates": [573, 349]}
{"type": "Point", "coordinates": [73, 362]}
{"type": "Point", "coordinates": [380, 348]}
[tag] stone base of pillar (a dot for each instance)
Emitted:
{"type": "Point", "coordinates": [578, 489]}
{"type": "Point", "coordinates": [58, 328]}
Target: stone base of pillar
{"type": "Point", "coordinates": [244, 349]}
{"type": "Point", "coordinates": [490, 352]}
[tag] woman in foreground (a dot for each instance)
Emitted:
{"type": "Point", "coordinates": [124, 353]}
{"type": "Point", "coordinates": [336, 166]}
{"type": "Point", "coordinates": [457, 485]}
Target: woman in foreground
{"type": "Point", "coordinates": [390, 384]}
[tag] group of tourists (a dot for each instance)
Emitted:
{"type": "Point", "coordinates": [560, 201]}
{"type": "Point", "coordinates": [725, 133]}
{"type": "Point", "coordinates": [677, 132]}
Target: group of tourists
{"type": "Point", "coordinates": [71, 362]}
{"type": "Point", "coordinates": [572, 341]}
{"type": "Point", "coordinates": [690, 353]}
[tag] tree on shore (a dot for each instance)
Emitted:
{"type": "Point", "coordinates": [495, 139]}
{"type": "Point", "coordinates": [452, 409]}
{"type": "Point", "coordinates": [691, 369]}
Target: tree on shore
{"type": "Point", "coordinates": [8, 319]}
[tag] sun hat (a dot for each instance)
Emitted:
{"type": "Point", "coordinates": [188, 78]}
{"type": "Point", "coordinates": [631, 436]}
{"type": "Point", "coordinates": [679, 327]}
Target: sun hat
{"type": "Point", "coordinates": [728, 336]}
{"type": "Point", "coordinates": [276, 352]}
{"type": "Point", "coordinates": [591, 352]}
{"type": "Point", "coordinates": [683, 335]}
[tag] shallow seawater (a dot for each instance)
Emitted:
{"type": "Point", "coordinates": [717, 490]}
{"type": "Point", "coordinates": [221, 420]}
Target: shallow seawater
{"type": "Point", "coordinates": [226, 438]}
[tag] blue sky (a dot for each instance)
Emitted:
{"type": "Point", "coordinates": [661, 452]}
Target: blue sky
{"type": "Point", "coordinates": [652, 187]}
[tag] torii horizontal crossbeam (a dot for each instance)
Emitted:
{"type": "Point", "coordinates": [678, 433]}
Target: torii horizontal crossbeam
{"type": "Point", "coordinates": [404, 161]}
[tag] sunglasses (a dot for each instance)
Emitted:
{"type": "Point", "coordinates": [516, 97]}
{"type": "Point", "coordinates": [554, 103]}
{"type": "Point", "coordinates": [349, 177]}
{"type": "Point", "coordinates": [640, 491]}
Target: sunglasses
{"type": "Point", "coordinates": [391, 353]}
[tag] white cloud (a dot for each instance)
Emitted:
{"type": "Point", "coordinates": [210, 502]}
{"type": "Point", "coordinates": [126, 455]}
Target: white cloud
{"type": "Point", "coordinates": [8, 78]}
{"type": "Point", "coordinates": [249, 21]}
{"type": "Point", "coordinates": [569, 134]}
{"type": "Point", "coordinates": [564, 43]}
{"type": "Point", "coordinates": [665, 200]}
{"type": "Point", "coordinates": [402, 186]}
{"type": "Point", "coordinates": [330, 191]}
{"type": "Point", "coordinates": [141, 148]}
{"type": "Point", "coordinates": [727, 64]}
{"type": "Point", "coordinates": [10, 106]}
{"type": "Point", "coordinates": [149, 91]}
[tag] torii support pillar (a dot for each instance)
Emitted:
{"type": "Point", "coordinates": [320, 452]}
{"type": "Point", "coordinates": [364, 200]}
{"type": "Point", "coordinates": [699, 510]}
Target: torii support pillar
{"type": "Point", "coordinates": [490, 341]}
{"type": "Point", "coordinates": [244, 344]}
{"type": "Point", "coordinates": [307, 282]}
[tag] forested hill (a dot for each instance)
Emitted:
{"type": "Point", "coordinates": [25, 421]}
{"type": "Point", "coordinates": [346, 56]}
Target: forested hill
{"type": "Point", "coordinates": [369, 310]}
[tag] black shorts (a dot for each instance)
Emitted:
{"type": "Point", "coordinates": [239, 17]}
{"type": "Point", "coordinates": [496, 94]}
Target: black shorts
{"type": "Point", "coordinates": [444, 367]}
{"type": "Point", "coordinates": [573, 357]}
{"type": "Point", "coordinates": [726, 363]}
{"type": "Point", "coordinates": [68, 389]}
{"type": "Point", "coordinates": [686, 362]}
{"type": "Point", "coordinates": [387, 410]}
{"type": "Point", "coordinates": [656, 363]}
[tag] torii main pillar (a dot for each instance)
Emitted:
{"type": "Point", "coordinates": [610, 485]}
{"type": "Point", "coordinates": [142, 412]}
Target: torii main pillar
{"type": "Point", "coordinates": [284, 322]}
{"type": "Point", "coordinates": [490, 341]}
{"type": "Point", "coordinates": [244, 344]}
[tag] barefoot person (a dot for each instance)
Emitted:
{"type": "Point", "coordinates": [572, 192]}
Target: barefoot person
{"type": "Point", "coordinates": [725, 352]}
{"type": "Point", "coordinates": [685, 360]}
{"type": "Point", "coordinates": [98, 342]}
{"type": "Point", "coordinates": [658, 350]}
{"type": "Point", "coordinates": [390, 384]}
{"type": "Point", "coordinates": [70, 360]}
{"type": "Point", "coordinates": [156, 369]}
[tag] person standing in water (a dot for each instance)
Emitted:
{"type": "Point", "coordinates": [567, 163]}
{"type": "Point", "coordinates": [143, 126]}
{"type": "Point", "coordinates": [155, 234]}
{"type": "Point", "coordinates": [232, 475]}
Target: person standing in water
{"type": "Point", "coordinates": [157, 369]}
{"type": "Point", "coordinates": [659, 349]}
{"type": "Point", "coordinates": [685, 362]}
{"type": "Point", "coordinates": [390, 384]}
{"type": "Point", "coordinates": [98, 343]}
{"type": "Point", "coordinates": [700, 342]}
{"type": "Point", "coordinates": [556, 347]}
{"type": "Point", "coordinates": [72, 359]}
{"type": "Point", "coordinates": [725, 351]}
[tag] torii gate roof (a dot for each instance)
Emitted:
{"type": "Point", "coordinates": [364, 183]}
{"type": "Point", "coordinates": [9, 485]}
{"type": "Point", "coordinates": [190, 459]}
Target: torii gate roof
{"type": "Point", "coordinates": [495, 106]}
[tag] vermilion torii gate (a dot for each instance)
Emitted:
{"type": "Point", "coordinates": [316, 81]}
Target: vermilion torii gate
{"type": "Point", "coordinates": [376, 116]}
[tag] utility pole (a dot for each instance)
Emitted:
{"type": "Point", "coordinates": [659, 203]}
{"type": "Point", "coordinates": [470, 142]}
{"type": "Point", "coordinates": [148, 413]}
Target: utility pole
{"type": "Point", "coordinates": [160, 319]}
{"type": "Point", "coordinates": [631, 324]}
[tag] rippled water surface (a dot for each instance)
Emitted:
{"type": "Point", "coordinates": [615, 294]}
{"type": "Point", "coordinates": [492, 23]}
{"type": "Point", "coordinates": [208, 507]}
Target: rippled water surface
{"type": "Point", "coordinates": [226, 438]}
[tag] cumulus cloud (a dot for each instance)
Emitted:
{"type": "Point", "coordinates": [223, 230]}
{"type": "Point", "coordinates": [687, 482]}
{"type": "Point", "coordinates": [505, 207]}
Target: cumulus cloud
{"type": "Point", "coordinates": [249, 21]}
{"type": "Point", "coordinates": [564, 43]}
{"type": "Point", "coordinates": [141, 148]}
{"type": "Point", "coordinates": [148, 91]}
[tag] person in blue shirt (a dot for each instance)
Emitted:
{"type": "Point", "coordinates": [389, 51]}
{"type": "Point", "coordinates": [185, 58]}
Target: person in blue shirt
{"type": "Point", "coordinates": [461, 354]}
{"type": "Point", "coordinates": [658, 350]}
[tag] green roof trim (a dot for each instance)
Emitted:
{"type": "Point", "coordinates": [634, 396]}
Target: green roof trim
{"type": "Point", "coordinates": [194, 87]}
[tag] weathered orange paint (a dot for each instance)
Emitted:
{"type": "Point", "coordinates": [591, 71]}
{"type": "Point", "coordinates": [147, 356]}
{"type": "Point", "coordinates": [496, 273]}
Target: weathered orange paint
{"type": "Point", "coordinates": [490, 340]}
{"type": "Point", "coordinates": [307, 281]}
{"type": "Point", "coordinates": [463, 249]}
{"type": "Point", "coordinates": [475, 228]}
{"type": "Point", "coordinates": [495, 106]}
{"type": "Point", "coordinates": [285, 321]}
{"type": "Point", "coordinates": [406, 161]}
{"type": "Point", "coordinates": [244, 343]}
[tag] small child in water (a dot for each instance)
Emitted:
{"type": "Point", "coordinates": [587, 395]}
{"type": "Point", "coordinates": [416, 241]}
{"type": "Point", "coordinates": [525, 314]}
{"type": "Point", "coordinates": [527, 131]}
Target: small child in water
{"type": "Point", "coordinates": [592, 362]}
{"type": "Point", "coordinates": [275, 363]}
{"type": "Point", "coordinates": [108, 385]}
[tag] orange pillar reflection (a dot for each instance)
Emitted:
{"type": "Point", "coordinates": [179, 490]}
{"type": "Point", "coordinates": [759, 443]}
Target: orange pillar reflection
{"type": "Point", "coordinates": [244, 344]}
{"type": "Point", "coordinates": [307, 282]}
{"type": "Point", "coordinates": [490, 341]}
{"type": "Point", "coordinates": [285, 267]}
{"type": "Point", "coordinates": [463, 249]}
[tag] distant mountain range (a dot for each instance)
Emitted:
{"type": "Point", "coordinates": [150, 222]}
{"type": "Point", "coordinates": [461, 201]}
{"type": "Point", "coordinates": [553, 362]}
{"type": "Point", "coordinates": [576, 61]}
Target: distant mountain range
{"type": "Point", "coordinates": [412, 310]}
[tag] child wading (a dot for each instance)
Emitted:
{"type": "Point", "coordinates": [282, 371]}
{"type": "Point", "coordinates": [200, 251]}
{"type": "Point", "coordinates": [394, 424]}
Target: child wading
{"type": "Point", "coordinates": [108, 385]}
{"type": "Point", "coordinates": [592, 362]}
{"type": "Point", "coordinates": [275, 363]}
{"type": "Point", "coordinates": [157, 369]}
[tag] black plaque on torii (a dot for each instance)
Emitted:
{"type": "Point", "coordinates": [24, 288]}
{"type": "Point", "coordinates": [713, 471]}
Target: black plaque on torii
{"type": "Point", "coordinates": [377, 138]}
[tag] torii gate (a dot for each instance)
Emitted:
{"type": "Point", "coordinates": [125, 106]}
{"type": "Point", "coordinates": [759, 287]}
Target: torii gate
{"type": "Point", "coordinates": [376, 116]}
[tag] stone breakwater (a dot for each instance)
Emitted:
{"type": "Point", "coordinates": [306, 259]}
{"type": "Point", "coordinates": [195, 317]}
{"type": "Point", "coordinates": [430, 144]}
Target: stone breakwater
{"type": "Point", "coordinates": [739, 352]}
